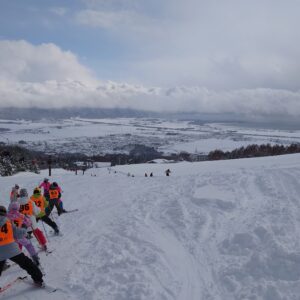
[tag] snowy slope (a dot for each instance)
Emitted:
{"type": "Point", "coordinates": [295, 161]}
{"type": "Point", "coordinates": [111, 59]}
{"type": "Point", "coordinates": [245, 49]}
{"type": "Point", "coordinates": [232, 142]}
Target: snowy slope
{"type": "Point", "coordinates": [212, 230]}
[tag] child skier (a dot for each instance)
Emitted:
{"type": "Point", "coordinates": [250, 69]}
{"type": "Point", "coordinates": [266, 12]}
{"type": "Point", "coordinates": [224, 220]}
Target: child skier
{"type": "Point", "coordinates": [41, 202]}
{"type": "Point", "coordinates": [60, 203]}
{"type": "Point", "coordinates": [28, 207]}
{"type": "Point", "coordinates": [54, 195]}
{"type": "Point", "coordinates": [9, 248]}
{"type": "Point", "coordinates": [21, 221]}
{"type": "Point", "coordinates": [14, 194]}
{"type": "Point", "coordinates": [46, 186]}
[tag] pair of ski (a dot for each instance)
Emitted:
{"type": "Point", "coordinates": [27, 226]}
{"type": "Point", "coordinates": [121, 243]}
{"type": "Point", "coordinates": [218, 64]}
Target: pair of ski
{"type": "Point", "coordinates": [71, 210]}
{"type": "Point", "coordinates": [48, 288]}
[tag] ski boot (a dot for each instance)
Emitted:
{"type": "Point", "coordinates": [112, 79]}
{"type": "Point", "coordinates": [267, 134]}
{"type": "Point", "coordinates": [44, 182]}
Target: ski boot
{"type": "Point", "coordinates": [36, 259]}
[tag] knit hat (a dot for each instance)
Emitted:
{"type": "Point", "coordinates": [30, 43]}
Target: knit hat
{"type": "Point", "coordinates": [2, 210]}
{"type": "Point", "coordinates": [23, 193]}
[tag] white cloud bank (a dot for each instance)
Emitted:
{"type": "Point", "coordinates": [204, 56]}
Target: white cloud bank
{"type": "Point", "coordinates": [228, 44]}
{"type": "Point", "coordinates": [21, 61]}
{"type": "Point", "coordinates": [46, 76]}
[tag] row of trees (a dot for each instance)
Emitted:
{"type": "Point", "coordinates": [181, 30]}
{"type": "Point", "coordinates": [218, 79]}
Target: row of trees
{"type": "Point", "coordinates": [14, 159]}
{"type": "Point", "coordinates": [254, 151]}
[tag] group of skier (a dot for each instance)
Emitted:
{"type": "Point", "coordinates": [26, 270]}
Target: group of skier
{"type": "Point", "coordinates": [19, 221]}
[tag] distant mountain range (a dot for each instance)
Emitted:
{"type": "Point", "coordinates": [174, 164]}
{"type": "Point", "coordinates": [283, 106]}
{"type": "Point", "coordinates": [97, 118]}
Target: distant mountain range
{"type": "Point", "coordinates": [34, 113]}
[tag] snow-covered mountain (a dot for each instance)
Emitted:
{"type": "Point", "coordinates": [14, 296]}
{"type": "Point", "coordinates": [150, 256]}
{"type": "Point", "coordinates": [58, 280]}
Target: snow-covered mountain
{"type": "Point", "coordinates": [218, 230]}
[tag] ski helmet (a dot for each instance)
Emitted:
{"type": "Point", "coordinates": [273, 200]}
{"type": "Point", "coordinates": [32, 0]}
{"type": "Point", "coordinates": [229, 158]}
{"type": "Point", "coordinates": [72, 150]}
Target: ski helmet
{"type": "Point", "coordinates": [37, 191]}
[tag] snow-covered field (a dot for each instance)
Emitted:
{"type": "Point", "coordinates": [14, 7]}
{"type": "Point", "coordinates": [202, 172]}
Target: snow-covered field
{"type": "Point", "coordinates": [218, 230]}
{"type": "Point", "coordinates": [100, 136]}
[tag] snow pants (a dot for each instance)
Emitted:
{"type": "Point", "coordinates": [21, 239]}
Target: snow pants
{"type": "Point", "coordinates": [47, 196]}
{"type": "Point", "coordinates": [28, 245]}
{"type": "Point", "coordinates": [27, 264]}
{"type": "Point", "coordinates": [52, 203]}
{"type": "Point", "coordinates": [48, 221]}
{"type": "Point", "coordinates": [40, 236]}
{"type": "Point", "coordinates": [60, 203]}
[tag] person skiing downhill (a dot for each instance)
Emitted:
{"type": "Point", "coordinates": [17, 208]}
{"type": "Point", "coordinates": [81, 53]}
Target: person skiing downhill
{"type": "Point", "coordinates": [22, 221]}
{"type": "Point", "coordinates": [54, 195]}
{"type": "Point", "coordinates": [9, 249]}
{"type": "Point", "coordinates": [14, 194]}
{"type": "Point", "coordinates": [41, 202]}
{"type": "Point", "coordinates": [28, 207]}
{"type": "Point", "coordinates": [60, 203]}
{"type": "Point", "coordinates": [46, 186]}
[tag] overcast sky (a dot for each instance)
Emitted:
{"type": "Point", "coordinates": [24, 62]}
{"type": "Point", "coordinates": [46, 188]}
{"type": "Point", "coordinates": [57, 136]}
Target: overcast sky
{"type": "Point", "coordinates": [180, 55]}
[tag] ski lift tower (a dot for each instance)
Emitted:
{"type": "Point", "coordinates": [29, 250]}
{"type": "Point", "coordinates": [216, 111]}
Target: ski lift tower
{"type": "Point", "coordinates": [49, 162]}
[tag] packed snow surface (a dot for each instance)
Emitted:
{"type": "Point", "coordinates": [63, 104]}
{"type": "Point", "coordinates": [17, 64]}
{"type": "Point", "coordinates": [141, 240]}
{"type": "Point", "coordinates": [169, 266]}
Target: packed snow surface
{"type": "Point", "coordinates": [218, 230]}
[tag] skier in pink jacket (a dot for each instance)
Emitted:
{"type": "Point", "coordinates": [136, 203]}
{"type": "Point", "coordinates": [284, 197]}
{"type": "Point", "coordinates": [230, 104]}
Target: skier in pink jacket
{"type": "Point", "coordinates": [22, 221]}
{"type": "Point", "coordinates": [46, 186]}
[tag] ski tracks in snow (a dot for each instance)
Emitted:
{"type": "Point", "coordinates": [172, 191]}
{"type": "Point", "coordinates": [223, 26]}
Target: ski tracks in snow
{"type": "Point", "coordinates": [229, 234]}
{"type": "Point", "coordinates": [262, 254]}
